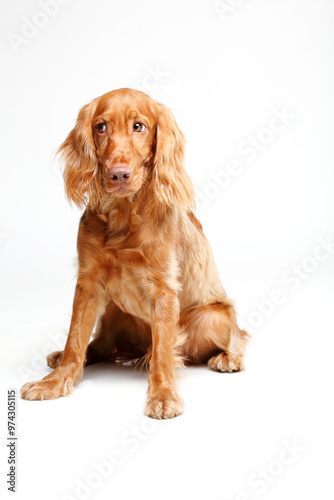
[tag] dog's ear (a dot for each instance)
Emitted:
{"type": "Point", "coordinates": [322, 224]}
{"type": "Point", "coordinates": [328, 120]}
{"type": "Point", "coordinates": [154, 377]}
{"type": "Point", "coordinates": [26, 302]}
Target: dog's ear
{"type": "Point", "coordinates": [80, 161]}
{"type": "Point", "coordinates": [172, 185]}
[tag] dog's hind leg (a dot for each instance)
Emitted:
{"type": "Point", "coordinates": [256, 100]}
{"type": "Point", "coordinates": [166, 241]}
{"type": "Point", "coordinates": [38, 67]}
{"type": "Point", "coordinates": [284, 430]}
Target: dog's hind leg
{"type": "Point", "coordinates": [213, 337]}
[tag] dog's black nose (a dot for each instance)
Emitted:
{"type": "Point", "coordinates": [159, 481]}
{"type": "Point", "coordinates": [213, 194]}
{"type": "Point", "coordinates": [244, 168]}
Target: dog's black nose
{"type": "Point", "coordinates": [119, 173]}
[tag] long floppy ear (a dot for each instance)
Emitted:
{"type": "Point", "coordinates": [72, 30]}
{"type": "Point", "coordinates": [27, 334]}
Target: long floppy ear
{"type": "Point", "coordinates": [171, 182]}
{"type": "Point", "coordinates": [80, 161]}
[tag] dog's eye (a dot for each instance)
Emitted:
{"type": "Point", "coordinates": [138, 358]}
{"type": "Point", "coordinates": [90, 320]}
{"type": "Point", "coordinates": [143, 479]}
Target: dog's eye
{"type": "Point", "coordinates": [101, 127]}
{"type": "Point", "coordinates": [139, 127]}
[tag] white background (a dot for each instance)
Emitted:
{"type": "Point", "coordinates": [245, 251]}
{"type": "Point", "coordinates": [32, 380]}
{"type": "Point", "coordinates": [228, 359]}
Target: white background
{"type": "Point", "coordinates": [224, 77]}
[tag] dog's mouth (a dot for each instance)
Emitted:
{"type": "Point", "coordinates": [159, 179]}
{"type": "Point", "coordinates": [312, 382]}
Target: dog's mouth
{"type": "Point", "coordinates": [122, 190]}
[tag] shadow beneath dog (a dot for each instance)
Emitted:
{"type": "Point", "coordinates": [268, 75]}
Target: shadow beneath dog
{"type": "Point", "coordinates": [107, 369]}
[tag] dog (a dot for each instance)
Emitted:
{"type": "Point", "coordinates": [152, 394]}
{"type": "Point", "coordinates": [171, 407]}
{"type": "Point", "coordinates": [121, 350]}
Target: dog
{"type": "Point", "coordinates": [147, 277]}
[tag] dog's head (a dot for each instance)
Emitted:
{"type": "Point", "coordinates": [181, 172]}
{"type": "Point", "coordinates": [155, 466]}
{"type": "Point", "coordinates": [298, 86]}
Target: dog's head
{"type": "Point", "coordinates": [121, 141]}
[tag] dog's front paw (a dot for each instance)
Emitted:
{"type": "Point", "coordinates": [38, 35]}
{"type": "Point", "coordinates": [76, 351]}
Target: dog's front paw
{"type": "Point", "coordinates": [168, 405]}
{"type": "Point", "coordinates": [48, 388]}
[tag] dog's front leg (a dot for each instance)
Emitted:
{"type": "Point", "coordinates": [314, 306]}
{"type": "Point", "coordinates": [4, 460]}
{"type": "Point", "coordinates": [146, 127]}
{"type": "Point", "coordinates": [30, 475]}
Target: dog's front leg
{"type": "Point", "coordinates": [163, 400]}
{"type": "Point", "coordinates": [60, 382]}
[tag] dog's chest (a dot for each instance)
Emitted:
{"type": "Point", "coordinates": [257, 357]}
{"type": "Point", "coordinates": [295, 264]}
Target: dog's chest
{"type": "Point", "coordinates": [127, 280]}
{"type": "Point", "coordinates": [127, 262]}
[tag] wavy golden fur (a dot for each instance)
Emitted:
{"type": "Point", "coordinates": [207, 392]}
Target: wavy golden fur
{"type": "Point", "coordinates": [146, 276]}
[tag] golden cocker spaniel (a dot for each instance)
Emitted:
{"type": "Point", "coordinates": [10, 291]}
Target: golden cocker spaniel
{"type": "Point", "coordinates": [146, 271]}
